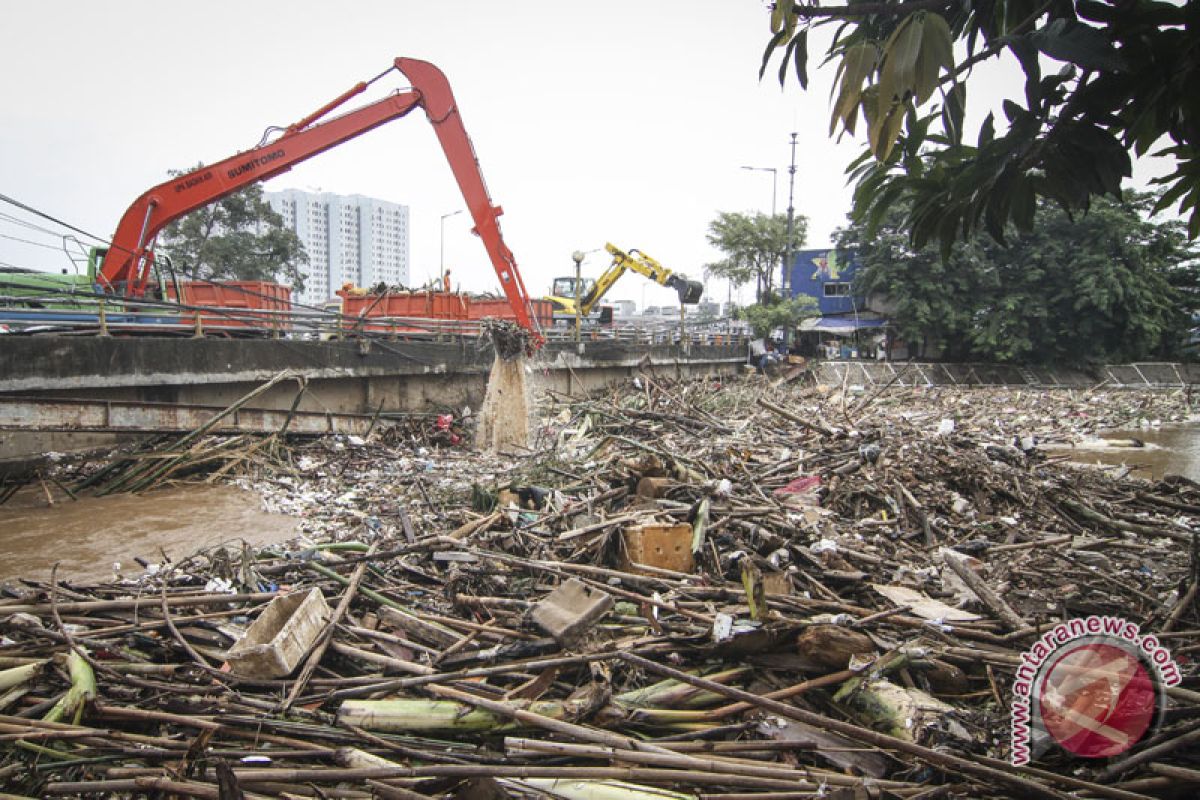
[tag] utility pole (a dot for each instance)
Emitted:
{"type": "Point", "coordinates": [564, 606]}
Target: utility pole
{"type": "Point", "coordinates": [789, 257]}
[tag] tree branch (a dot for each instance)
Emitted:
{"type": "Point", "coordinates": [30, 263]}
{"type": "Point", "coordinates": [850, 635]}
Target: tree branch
{"type": "Point", "coordinates": [871, 9]}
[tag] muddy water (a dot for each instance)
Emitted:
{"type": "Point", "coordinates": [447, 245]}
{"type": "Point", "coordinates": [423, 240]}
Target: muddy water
{"type": "Point", "coordinates": [88, 535]}
{"type": "Point", "coordinates": [1170, 449]}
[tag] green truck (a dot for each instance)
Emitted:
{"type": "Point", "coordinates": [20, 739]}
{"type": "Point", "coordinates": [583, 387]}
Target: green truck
{"type": "Point", "coordinates": [32, 301]}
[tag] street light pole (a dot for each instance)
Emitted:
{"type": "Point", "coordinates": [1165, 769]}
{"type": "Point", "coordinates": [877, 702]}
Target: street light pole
{"type": "Point", "coordinates": [774, 182]}
{"type": "Point", "coordinates": [578, 257]}
{"type": "Point", "coordinates": [442, 243]}
{"type": "Point", "coordinates": [791, 223]}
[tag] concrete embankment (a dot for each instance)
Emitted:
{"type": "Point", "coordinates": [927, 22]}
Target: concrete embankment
{"type": "Point", "coordinates": [353, 377]}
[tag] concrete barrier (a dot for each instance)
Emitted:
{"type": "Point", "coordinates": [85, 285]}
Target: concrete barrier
{"type": "Point", "coordinates": [342, 377]}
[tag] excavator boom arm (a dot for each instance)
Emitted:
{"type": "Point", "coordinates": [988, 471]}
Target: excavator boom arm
{"type": "Point", "coordinates": [689, 291]}
{"type": "Point", "coordinates": [127, 265]}
{"type": "Point", "coordinates": [605, 282]}
{"type": "Point", "coordinates": [448, 125]}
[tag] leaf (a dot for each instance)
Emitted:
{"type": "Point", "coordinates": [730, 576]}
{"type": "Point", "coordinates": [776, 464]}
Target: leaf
{"type": "Point", "coordinates": [1023, 203]}
{"type": "Point", "coordinates": [1095, 11]}
{"type": "Point", "coordinates": [954, 108]}
{"type": "Point", "coordinates": [897, 75]}
{"type": "Point", "coordinates": [789, 18]}
{"type": "Point", "coordinates": [883, 132]}
{"type": "Point", "coordinates": [937, 53]}
{"type": "Point", "coordinates": [798, 43]}
{"type": "Point", "coordinates": [995, 216]}
{"type": "Point", "coordinates": [947, 229]}
{"type": "Point", "coordinates": [916, 131]}
{"type": "Point", "coordinates": [752, 582]}
{"type": "Point", "coordinates": [987, 131]}
{"type": "Point", "coordinates": [777, 17]}
{"type": "Point", "coordinates": [940, 40]}
{"type": "Point", "coordinates": [1169, 197]}
{"type": "Point", "coordinates": [766, 59]}
{"type": "Point", "coordinates": [1027, 56]}
{"type": "Point", "coordinates": [1067, 40]}
{"type": "Point", "coordinates": [800, 56]}
{"type": "Point", "coordinates": [856, 65]}
{"type": "Point", "coordinates": [883, 203]}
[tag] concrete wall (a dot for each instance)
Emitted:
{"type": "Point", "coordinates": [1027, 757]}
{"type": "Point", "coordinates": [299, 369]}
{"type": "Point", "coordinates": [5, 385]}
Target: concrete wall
{"type": "Point", "coordinates": [160, 369]}
{"type": "Point", "coordinates": [341, 377]}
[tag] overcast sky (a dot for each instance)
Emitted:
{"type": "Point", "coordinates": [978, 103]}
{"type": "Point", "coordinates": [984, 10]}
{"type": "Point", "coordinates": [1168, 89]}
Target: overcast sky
{"type": "Point", "coordinates": [623, 121]}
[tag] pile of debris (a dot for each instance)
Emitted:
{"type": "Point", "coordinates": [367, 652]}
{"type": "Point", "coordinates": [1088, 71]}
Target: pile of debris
{"type": "Point", "coordinates": [710, 589]}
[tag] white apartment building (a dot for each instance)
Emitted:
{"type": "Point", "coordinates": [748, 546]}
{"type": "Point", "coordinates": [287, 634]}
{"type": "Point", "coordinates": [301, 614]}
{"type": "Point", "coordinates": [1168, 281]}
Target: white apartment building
{"type": "Point", "coordinates": [349, 239]}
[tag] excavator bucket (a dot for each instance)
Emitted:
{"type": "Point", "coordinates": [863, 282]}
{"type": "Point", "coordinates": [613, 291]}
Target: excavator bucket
{"type": "Point", "coordinates": [689, 291]}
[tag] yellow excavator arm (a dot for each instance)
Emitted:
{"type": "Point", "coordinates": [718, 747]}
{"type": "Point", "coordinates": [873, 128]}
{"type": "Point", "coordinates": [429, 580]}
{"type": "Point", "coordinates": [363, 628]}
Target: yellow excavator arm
{"type": "Point", "coordinates": [689, 291]}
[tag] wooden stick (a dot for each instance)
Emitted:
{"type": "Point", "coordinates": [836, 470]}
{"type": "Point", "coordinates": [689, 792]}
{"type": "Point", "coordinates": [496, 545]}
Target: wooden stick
{"type": "Point", "coordinates": [141, 785]}
{"type": "Point", "coordinates": [395, 684]}
{"type": "Point", "coordinates": [958, 563]}
{"type": "Point", "coordinates": [85, 606]}
{"type": "Point", "coordinates": [796, 418]}
{"type": "Point", "coordinates": [518, 746]}
{"type": "Point", "coordinates": [785, 693]}
{"type": "Point", "coordinates": [635, 774]}
{"type": "Point", "coordinates": [1092, 515]}
{"type": "Point", "coordinates": [380, 660]}
{"type": "Point", "coordinates": [1149, 754]}
{"type": "Point", "coordinates": [1191, 776]}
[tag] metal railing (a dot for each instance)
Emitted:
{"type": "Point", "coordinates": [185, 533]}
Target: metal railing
{"type": "Point", "coordinates": [106, 316]}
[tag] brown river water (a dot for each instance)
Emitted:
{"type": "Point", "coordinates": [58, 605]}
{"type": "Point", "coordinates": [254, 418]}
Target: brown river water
{"type": "Point", "coordinates": [88, 535]}
{"type": "Point", "coordinates": [1169, 449]}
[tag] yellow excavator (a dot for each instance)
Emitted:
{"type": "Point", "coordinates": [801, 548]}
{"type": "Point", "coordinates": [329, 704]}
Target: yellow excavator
{"type": "Point", "coordinates": [567, 290]}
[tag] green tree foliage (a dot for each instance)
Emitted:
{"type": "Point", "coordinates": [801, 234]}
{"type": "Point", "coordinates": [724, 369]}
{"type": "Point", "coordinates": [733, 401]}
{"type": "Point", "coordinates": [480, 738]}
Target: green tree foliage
{"type": "Point", "coordinates": [774, 312]}
{"type": "Point", "coordinates": [1107, 286]}
{"type": "Point", "coordinates": [239, 237]}
{"type": "Point", "coordinates": [1102, 80]}
{"type": "Point", "coordinates": [755, 246]}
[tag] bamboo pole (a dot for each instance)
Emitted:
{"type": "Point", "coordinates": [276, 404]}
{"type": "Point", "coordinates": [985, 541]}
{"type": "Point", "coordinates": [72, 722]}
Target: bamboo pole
{"type": "Point", "coordinates": [149, 472]}
{"type": "Point", "coordinates": [181, 601]}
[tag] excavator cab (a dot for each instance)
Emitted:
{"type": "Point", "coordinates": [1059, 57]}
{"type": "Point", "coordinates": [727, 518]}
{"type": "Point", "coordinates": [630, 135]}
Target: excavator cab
{"type": "Point", "coordinates": [565, 287]}
{"type": "Point", "coordinates": [564, 298]}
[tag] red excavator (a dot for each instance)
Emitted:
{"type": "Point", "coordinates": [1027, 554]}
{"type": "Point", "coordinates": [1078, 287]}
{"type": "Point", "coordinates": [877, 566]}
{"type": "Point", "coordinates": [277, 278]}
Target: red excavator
{"type": "Point", "coordinates": [129, 263]}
